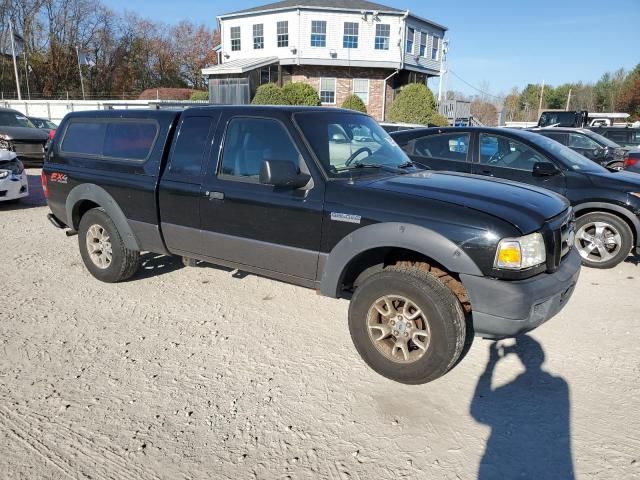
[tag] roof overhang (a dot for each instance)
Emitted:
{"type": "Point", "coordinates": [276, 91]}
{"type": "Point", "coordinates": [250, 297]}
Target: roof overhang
{"type": "Point", "coordinates": [240, 66]}
{"type": "Point", "coordinates": [305, 7]}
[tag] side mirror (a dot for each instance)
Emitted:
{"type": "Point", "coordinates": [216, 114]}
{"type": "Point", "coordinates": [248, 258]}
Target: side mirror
{"type": "Point", "coordinates": [282, 173]}
{"type": "Point", "coordinates": [545, 169]}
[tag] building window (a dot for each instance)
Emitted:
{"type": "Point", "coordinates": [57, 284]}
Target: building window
{"type": "Point", "coordinates": [383, 31]}
{"type": "Point", "coordinates": [283, 34]}
{"type": "Point", "coordinates": [411, 33]}
{"type": "Point", "coordinates": [435, 48]}
{"type": "Point", "coordinates": [350, 38]}
{"type": "Point", "coordinates": [318, 33]}
{"type": "Point", "coordinates": [328, 90]}
{"type": "Point", "coordinates": [235, 39]}
{"type": "Point", "coordinates": [361, 89]}
{"type": "Point", "coordinates": [423, 44]}
{"type": "Point", "coordinates": [258, 36]}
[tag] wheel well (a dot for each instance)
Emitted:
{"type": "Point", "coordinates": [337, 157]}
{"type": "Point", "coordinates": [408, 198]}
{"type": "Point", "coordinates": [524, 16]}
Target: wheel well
{"type": "Point", "coordinates": [611, 212]}
{"type": "Point", "coordinates": [375, 260]}
{"type": "Point", "coordinates": [79, 209]}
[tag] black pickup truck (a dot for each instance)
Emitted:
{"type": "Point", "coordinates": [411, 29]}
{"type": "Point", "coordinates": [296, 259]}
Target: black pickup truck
{"type": "Point", "coordinates": [325, 199]}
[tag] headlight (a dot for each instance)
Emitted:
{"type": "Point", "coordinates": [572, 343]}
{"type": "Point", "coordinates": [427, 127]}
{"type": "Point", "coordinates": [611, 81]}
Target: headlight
{"type": "Point", "coordinates": [521, 253]}
{"type": "Point", "coordinates": [4, 174]}
{"type": "Point", "coordinates": [4, 144]}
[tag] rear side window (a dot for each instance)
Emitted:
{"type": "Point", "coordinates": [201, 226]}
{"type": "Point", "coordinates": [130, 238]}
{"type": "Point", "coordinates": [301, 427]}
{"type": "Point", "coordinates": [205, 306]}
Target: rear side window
{"type": "Point", "coordinates": [130, 140]}
{"type": "Point", "coordinates": [190, 146]}
{"type": "Point", "coordinates": [448, 147]}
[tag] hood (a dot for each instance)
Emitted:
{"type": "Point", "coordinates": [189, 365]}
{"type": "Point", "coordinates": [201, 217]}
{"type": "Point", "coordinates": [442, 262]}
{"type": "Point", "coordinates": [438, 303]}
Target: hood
{"type": "Point", "coordinates": [621, 180]}
{"type": "Point", "coordinates": [23, 133]}
{"type": "Point", "coordinates": [524, 206]}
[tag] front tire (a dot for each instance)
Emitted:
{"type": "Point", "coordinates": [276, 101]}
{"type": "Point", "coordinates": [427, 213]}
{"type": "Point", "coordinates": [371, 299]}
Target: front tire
{"type": "Point", "coordinates": [407, 325]}
{"type": "Point", "coordinates": [603, 239]}
{"type": "Point", "coordinates": [103, 250]}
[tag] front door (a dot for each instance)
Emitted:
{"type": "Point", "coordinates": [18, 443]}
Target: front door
{"type": "Point", "coordinates": [504, 157]}
{"type": "Point", "coordinates": [248, 223]}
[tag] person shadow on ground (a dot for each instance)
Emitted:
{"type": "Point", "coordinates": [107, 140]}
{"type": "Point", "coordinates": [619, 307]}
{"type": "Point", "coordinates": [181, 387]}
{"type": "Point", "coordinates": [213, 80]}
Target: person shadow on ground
{"type": "Point", "coordinates": [529, 419]}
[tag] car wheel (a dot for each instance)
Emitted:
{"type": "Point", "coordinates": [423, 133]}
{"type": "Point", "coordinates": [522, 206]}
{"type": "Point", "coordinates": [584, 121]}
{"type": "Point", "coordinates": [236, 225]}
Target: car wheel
{"type": "Point", "coordinates": [615, 166]}
{"type": "Point", "coordinates": [602, 239]}
{"type": "Point", "coordinates": [407, 325]}
{"type": "Point", "coordinates": [103, 250]}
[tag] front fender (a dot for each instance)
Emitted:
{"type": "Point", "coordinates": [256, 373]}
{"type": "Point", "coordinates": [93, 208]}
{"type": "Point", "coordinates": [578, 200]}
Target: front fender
{"type": "Point", "coordinates": [101, 197]}
{"type": "Point", "coordinates": [394, 235]}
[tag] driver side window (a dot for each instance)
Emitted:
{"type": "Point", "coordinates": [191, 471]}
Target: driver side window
{"type": "Point", "coordinates": [498, 151]}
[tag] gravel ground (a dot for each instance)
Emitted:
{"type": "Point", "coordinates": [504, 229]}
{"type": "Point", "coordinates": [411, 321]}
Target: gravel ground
{"type": "Point", "coordinates": [205, 373]}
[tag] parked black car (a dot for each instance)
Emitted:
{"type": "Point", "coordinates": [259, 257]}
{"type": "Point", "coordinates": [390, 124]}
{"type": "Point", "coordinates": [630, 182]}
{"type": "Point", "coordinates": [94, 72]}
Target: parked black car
{"type": "Point", "coordinates": [19, 135]}
{"type": "Point", "coordinates": [590, 144]}
{"type": "Point", "coordinates": [606, 204]}
{"type": "Point", "coordinates": [627, 137]}
{"type": "Point", "coordinates": [325, 199]}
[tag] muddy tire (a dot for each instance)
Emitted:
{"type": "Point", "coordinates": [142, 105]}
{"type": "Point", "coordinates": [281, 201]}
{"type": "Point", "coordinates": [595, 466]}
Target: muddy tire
{"type": "Point", "coordinates": [103, 250]}
{"type": "Point", "coordinates": [602, 239]}
{"type": "Point", "coordinates": [407, 325]}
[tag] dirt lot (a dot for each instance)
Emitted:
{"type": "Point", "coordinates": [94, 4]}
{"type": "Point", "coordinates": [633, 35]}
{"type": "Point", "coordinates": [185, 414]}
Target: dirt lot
{"type": "Point", "coordinates": [204, 373]}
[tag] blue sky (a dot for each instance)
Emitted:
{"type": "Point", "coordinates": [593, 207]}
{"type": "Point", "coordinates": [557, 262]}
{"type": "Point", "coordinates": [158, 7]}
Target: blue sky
{"type": "Point", "coordinates": [493, 44]}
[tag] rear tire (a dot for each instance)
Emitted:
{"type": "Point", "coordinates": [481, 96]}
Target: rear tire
{"type": "Point", "coordinates": [615, 166]}
{"type": "Point", "coordinates": [603, 239]}
{"type": "Point", "coordinates": [103, 250]}
{"type": "Point", "coordinates": [407, 306]}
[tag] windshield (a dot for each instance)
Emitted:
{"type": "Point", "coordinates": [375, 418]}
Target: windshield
{"type": "Point", "coordinates": [345, 142]}
{"type": "Point", "coordinates": [569, 158]}
{"type": "Point", "coordinates": [561, 119]}
{"type": "Point", "coordinates": [14, 119]}
{"type": "Point", "coordinates": [601, 139]}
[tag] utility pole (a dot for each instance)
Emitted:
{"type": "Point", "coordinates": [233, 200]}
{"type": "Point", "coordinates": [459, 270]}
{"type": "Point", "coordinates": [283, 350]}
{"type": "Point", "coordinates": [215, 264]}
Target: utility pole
{"type": "Point", "coordinates": [568, 101]}
{"type": "Point", "coordinates": [445, 50]}
{"type": "Point", "coordinates": [541, 97]}
{"type": "Point", "coordinates": [80, 70]}
{"type": "Point", "coordinates": [15, 64]}
{"type": "Point", "coordinates": [26, 72]}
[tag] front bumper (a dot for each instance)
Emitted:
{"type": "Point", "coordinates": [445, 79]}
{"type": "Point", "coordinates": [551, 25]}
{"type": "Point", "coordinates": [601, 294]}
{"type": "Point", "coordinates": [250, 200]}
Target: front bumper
{"type": "Point", "coordinates": [14, 187]}
{"type": "Point", "coordinates": [503, 308]}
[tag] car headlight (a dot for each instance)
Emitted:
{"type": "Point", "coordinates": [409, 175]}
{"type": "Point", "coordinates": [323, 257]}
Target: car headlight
{"type": "Point", "coordinates": [521, 253]}
{"type": "Point", "coordinates": [4, 174]}
{"type": "Point", "coordinates": [4, 144]}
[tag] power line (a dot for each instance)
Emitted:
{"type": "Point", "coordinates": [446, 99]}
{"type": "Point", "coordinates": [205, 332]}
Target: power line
{"type": "Point", "coordinates": [475, 88]}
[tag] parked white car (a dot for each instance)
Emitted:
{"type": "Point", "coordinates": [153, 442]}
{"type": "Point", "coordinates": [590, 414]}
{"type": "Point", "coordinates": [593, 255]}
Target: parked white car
{"type": "Point", "coordinates": [13, 177]}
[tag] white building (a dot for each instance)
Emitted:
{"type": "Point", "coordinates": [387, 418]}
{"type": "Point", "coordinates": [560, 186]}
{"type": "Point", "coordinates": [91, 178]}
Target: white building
{"type": "Point", "coordinates": [339, 47]}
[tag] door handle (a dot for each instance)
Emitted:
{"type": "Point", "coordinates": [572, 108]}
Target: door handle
{"type": "Point", "coordinates": [488, 173]}
{"type": "Point", "coordinates": [214, 195]}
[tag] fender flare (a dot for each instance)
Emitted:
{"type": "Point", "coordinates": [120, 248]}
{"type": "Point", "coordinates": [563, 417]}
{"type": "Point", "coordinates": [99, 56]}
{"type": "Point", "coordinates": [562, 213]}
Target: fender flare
{"type": "Point", "coordinates": [613, 208]}
{"type": "Point", "coordinates": [98, 195]}
{"type": "Point", "coordinates": [395, 235]}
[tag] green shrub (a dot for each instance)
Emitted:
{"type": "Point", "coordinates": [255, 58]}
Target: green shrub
{"type": "Point", "coordinates": [301, 94]}
{"type": "Point", "coordinates": [270, 94]}
{"type": "Point", "coordinates": [199, 96]}
{"type": "Point", "coordinates": [438, 120]}
{"type": "Point", "coordinates": [415, 104]}
{"type": "Point", "coordinates": [354, 102]}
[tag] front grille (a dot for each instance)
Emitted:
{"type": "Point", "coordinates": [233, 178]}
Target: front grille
{"type": "Point", "coordinates": [559, 234]}
{"type": "Point", "coordinates": [30, 149]}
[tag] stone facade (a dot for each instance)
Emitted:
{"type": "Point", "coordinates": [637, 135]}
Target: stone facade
{"type": "Point", "coordinates": [344, 83]}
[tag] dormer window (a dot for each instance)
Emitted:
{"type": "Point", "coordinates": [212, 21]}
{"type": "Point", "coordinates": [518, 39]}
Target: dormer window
{"type": "Point", "coordinates": [235, 39]}
{"type": "Point", "coordinates": [318, 33]}
{"type": "Point", "coordinates": [350, 38]}
{"type": "Point", "coordinates": [258, 36]}
{"type": "Point", "coordinates": [283, 34]}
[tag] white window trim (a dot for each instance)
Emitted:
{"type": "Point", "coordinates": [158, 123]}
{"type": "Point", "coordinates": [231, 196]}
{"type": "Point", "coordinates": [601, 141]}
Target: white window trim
{"type": "Point", "coordinates": [353, 88]}
{"type": "Point", "coordinates": [335, 90]}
